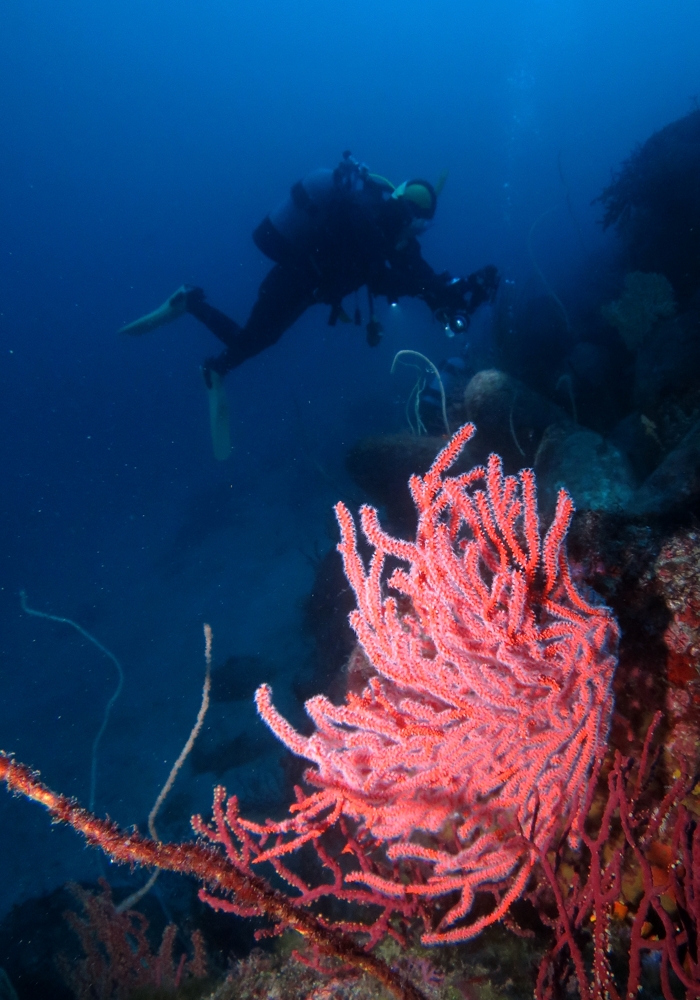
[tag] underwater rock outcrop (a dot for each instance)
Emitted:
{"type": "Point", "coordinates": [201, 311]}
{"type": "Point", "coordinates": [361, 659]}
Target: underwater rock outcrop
{"type": "Point", "coordinates": [511, 417]}
{"type": "Point", "coordinates": [382, 464]}
{"type": "Point", "coordinates": [674, 484]}
{"type": "Point", "coordinates": [596, 473]}
{"type": "Point", "coordinates": [636, 436]}
{"type": "Point", "coordinates": [666, 376]}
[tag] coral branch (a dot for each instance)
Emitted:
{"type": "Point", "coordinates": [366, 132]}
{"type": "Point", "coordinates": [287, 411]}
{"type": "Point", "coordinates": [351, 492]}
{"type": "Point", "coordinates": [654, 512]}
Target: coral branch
{"type": "Point", "coordinates": [209, 867]}
{"type": "Point", "coordinates": [627, 841]}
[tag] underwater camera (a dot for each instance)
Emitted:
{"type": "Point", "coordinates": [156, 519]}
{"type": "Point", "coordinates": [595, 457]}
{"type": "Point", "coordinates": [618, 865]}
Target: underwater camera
{"type": "Point", "coordinates": [453, 322]}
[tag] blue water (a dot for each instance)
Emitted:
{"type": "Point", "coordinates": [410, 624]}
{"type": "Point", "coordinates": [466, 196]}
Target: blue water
{"type": "Point", "coordinates": [141, 145]}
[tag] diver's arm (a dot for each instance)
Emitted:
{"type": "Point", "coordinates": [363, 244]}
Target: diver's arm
{"type": "Point", "coordinates": [450, 297]}
{"type": "Point", "coordinates": [407, 273]}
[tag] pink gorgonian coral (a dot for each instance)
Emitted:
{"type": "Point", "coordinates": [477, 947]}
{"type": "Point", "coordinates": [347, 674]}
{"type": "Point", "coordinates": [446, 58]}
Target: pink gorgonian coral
{"type": "Point", "coordinates": [487, 707]}
{"type": "Point", "coordinates": [471, 748]}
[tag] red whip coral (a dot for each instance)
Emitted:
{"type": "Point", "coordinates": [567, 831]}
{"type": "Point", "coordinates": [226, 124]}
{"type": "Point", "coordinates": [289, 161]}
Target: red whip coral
{"type": "Point", "coordinates": [489, 706]}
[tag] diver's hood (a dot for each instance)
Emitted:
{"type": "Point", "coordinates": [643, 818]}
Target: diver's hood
{"type": "Point", "coordinates": [420, 195]}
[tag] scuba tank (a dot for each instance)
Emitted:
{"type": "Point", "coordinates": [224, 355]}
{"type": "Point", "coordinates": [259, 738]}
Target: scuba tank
{"type": "Point", "coordinates": [292, 227]}
{"type": "Point", "coordinates": [303, 230]}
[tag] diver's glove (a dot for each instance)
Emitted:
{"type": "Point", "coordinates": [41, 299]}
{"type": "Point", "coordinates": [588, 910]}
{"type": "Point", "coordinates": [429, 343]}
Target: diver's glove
{"type": "Point", "coordinates": [458, 298]}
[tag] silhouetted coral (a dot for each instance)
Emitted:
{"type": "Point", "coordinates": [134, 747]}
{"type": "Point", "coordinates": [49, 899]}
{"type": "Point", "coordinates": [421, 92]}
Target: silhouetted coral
{"type": "Point", "coordinates": [645, 299]}
{"type": "Point", "coordinates": [654, 202]}
{"type": "Point", "coordinates": [119, 962]}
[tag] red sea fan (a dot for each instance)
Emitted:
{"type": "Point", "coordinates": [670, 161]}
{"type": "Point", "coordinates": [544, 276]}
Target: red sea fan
{"type": "Point", "coordinates": [490, 704]}
{"type": "Point", "coordinates": [471, 749]}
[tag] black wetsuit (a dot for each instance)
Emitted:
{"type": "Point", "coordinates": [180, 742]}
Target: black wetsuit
{"type": "Point", "coordinates": [358, 237]}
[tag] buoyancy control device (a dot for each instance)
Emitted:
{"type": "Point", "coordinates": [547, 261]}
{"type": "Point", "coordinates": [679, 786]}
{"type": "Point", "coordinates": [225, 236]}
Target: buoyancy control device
{"type": "Point", "coordinates": [296, 225]}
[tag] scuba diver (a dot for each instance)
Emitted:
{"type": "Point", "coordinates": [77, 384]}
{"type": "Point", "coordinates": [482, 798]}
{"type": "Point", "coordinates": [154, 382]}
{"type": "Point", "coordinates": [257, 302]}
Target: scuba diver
{"type": "Point", "coordinates": [337, 231]}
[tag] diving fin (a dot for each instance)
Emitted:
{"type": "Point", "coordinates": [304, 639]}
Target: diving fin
{"type": "Point", "coordinates": [172, 309]}
{"type": "Point", "coordinates": [218, 417]}
{"type": "Point", "coordinates": [440, 183]}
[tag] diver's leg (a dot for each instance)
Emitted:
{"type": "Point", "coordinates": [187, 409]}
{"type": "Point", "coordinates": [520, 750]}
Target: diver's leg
{"type": "Point", "coordinates": [221, 325]}
{"type": "Point", "coordinates": [284, 294]}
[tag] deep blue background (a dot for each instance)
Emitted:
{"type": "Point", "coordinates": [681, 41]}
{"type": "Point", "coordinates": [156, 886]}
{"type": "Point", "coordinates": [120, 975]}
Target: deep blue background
{"type": "Point", "coordinates": [141, 143]}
